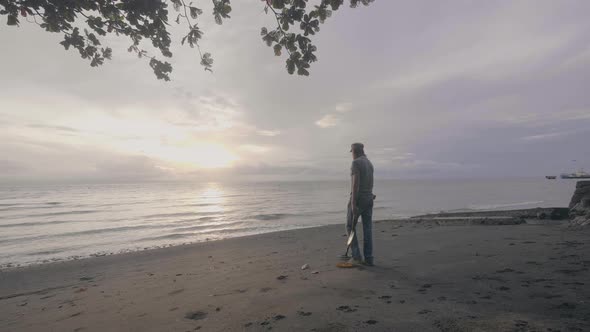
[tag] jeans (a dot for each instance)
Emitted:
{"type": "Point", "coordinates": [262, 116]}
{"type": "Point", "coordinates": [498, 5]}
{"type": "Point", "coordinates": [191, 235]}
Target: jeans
{"type": "Point", "coordinates": [365, 211]}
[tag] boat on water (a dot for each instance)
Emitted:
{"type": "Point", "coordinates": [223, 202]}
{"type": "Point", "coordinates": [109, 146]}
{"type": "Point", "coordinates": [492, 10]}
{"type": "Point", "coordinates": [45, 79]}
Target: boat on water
{"type": "Point", "coordinates": [577, 175]}
{"type": "Point", "coordinates": [550, 177]}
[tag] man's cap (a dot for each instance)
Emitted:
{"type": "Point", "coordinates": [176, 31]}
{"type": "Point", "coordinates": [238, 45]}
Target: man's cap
{"type": "Point", "coordinates": [357, 146]}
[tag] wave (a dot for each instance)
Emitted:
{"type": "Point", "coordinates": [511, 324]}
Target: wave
{"type": "Point", "coordinates": [52, 214]}
{"type": "Point", "coordinates": [176, 236]}
{"type": "Point", "coordinates": [48, 252]}
{"type": "Point", "coordinates": [272, 216]}
{"type": "Point", "coordinates": [9, 204]}
{"type": "Point", "coordinates": [111, 230]}
{"type": "Point", "coordinates": [501, 206]}
{"type": "Point", "coordinates": [21, 207]}
{"type": "Point", "coordinates": [179, 214]}
{"type": "Point", "coordinates": [195, 204]}
{"type": "Point", "coordinates": [82, 233]}
{"type": "Point", "coordinates": [35, 223]}
{"type": "Point", "coordinates": [206, 226]}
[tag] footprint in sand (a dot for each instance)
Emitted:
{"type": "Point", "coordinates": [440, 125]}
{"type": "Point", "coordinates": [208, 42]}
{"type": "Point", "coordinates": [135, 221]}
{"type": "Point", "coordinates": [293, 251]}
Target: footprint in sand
{"type": "Point", "coordinates": [345, 308]}
{"type": "Point", "coordinates": [505, 270]}
{"type": "Point", "coordinates": [178, 291]}
{"type": "Point", "coordinates": [371, 322]}
{"type": "Point", "coordinates": [304, 313]}
{"type": "Point", "coordinates": [565, 306]}
{"type": "Point", "coordinates": [571, 271]}
{"type": "Point", "coordinates": [424, 288]}
{"type": "Point", "coordinates": [384, 297]}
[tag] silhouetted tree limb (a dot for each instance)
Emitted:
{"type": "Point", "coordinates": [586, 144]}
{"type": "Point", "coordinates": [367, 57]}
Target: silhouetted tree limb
{"type": "Point", "coordinates": [83, 23]}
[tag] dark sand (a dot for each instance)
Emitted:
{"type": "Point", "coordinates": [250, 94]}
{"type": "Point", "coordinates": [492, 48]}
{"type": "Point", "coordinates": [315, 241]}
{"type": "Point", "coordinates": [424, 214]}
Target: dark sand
{"type": "Point", "coordinates": [427, 278]}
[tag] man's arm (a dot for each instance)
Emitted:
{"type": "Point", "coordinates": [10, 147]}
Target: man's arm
{"type": "Point", "coordinates": [354, 191]}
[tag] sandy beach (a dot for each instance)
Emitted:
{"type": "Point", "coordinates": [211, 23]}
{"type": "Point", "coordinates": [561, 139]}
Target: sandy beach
{"type": "Point", "coordinates": [426, 278]}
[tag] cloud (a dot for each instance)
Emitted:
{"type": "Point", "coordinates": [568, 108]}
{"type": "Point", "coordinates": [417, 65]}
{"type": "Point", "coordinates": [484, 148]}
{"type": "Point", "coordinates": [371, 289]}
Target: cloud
{"type": "Point", "coordinates": [130, 168]}
{"type": "Point", "coordinates": [327, 121]}
{"type": "Point", "coordinates": [255, 148]}
{"type": "Point", "coordinates": [12, 167]}
{"type": "Point", "coordinates": [343, 107]}
{"type": "Point", "coordinates": [58, 128]}
{"type": "Point", "coordinates": [544, 137]}
{"type": "Point", "coordinates": [269, 133]}
{"type": "Point", "coordinates": [332, 119]}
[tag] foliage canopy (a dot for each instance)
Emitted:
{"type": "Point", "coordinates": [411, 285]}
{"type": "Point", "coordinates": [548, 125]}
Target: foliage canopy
{"type": "Point", "coordinates": [84, 23]}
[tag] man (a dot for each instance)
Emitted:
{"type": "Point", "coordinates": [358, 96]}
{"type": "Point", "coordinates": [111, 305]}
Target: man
{"type": "Point", "coordinates": [361, 204]}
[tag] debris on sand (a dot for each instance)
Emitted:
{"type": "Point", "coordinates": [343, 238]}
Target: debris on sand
{"type": "Point", "coordinates": [195, 315]}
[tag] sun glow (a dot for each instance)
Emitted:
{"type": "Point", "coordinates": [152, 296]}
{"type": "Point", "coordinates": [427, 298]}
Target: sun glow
{"type": "Point", "coordinates": [197, 155]}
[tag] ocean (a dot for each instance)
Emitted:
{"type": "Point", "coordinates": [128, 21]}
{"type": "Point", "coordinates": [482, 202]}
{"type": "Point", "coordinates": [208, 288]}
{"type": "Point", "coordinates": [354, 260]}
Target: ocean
{"type": "Point", "coordinates": [45, 223]}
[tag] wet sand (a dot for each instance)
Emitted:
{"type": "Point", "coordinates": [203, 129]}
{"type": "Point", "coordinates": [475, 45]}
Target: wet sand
{"type": "Point", "coordinates": [426, 278]}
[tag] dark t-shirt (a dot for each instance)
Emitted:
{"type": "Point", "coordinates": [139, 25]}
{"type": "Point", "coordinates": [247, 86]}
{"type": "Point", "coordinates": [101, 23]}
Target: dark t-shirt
{"type": "Point", "coordinates": [363, 167]}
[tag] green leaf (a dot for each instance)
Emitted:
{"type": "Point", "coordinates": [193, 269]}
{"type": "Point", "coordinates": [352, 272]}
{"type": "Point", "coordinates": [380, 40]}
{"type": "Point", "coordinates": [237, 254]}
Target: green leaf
{"type": "Point", "coordinates": [195, 12]}
{"type": "Point", "coordinates": [12, 20]}
{"type": "Point", "coordinates": [277, 48]}
{"type": "Point", "coordinates": [290, 66]}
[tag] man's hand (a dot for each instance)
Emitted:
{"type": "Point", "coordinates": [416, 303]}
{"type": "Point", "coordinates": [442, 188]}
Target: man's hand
{"type": "Point", "coordinates": [355, 210]}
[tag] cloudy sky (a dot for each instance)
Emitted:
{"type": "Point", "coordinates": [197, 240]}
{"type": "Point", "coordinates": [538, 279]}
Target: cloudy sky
{"type": "Point", "coordinates": [434, 89]}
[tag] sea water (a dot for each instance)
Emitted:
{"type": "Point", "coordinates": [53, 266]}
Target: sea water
{"type": "Point", "coordinates": [54, 222]}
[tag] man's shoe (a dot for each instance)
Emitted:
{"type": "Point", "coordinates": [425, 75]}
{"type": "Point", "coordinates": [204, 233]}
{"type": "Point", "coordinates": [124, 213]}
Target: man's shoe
{"type": "Point", "coordinates": [368, 263]}
{"type": "Point", "coordinates": [349, 263]}
{"type": "Point", "coordinates": [355, 261]}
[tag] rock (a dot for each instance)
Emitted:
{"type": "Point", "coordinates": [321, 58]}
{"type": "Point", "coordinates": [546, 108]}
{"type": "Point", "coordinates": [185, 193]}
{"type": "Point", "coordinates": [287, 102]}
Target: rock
{"type": "Point", "coordinates": [580, 205]}
{"type": "Point", "coordinates": [315, 272]}
{"type": "Point", "coordinates": [305, 267]}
